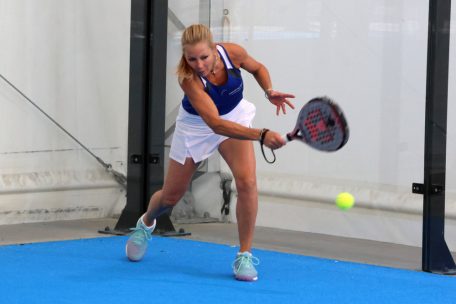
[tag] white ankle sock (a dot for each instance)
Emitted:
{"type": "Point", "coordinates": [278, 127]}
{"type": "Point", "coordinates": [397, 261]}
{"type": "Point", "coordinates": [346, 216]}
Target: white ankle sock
{"type": "Point", "coordinates": [148, 227]}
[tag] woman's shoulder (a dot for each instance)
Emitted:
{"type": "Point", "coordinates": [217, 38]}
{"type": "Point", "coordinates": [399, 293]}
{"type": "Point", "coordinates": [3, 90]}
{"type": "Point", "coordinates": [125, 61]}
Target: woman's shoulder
{"type": "Point", "coordinates": [236, 52]}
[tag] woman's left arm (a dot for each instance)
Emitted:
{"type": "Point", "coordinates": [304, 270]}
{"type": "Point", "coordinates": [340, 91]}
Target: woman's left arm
{"type": "Point", "coordinates": [241, 58]}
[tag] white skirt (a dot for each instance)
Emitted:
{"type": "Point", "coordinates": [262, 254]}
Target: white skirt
{"type": "Point", "coordinates": [193, 138]}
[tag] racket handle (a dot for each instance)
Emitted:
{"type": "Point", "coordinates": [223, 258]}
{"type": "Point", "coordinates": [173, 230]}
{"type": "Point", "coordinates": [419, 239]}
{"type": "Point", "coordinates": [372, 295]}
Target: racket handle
{"type": "Point", "coordinates": [286, 138]}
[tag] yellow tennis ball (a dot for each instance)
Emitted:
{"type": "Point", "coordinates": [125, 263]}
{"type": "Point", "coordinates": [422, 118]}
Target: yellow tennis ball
{"type": "Point", "coordinates": [345, 200]}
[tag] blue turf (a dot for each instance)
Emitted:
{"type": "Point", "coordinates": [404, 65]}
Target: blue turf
{"type": "Point", "coordinates": [184, 271]}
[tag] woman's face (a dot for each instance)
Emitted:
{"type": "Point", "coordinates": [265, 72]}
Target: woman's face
{"type": "Point", "coordinates": [200, 57]}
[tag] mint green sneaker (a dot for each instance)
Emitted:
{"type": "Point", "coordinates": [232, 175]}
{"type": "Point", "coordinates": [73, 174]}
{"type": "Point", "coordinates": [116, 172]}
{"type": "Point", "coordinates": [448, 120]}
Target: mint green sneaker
{"type": "Point", "coordinates": [137, 243]}
{"type": "Point", "coordinates": [244, 267]}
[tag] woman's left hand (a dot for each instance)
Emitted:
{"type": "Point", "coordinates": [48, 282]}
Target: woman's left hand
{"type": "Point", "coordinates": [280, 100]}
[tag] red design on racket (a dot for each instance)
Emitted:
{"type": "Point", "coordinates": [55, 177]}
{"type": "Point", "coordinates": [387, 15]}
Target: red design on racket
{"type": "Point", "coordinates": [321, 124]}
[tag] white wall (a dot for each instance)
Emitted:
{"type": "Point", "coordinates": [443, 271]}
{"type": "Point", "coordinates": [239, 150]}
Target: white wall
{"type": "Point", "coordinates": [72, 59]}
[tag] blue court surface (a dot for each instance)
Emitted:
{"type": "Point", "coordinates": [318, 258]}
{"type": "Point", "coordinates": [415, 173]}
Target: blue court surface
{"type": "Point", "coordinates": [185, 271]}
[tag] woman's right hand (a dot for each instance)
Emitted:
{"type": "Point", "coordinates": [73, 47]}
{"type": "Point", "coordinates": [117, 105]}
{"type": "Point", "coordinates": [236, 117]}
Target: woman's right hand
{"type": "Point", "coordinates": [274, 140]}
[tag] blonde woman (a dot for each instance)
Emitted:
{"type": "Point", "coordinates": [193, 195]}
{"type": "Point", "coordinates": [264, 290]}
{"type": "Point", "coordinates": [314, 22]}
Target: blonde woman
{"type": "Point", "coordinates": [214, 116]}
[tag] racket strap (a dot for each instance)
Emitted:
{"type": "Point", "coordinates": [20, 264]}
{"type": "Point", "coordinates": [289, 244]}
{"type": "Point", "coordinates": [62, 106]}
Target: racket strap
{"type": "Point", "coordinates": [262, 136]}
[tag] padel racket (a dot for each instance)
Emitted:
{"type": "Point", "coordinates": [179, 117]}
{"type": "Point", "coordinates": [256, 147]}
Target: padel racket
{"type": "Point", "coordinates": [321, 124]}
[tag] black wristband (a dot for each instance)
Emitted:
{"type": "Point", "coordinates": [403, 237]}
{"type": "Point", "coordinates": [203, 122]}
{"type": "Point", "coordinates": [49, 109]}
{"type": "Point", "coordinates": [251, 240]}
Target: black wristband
{"type": "Point", "coordinates": [263, 135]}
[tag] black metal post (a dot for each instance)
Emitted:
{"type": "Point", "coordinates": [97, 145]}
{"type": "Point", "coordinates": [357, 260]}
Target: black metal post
{"type": "Point", "coordinates": [147, 110]}
{"type": "Point", "coordinates": [436, 256]}
{"type": "Point", "coordinates": [137, 116]}
{"type": "Point", "coordinates": [157, 107]}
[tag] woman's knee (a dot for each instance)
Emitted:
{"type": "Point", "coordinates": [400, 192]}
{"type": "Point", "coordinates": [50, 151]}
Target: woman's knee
{"type": "Point", "coordinates": [246, 185]}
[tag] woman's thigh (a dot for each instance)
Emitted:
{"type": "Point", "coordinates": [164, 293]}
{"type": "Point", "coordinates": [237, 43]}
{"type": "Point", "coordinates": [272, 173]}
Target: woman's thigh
{"type": "Point", "coordinates": [240, 157]}
{"type": "Point", "coordinates": [178, 177]}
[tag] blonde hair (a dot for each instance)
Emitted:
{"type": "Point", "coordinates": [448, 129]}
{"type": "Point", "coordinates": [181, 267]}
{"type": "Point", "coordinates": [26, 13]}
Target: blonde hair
{"type": "Point", "coordinates": [193, 34]}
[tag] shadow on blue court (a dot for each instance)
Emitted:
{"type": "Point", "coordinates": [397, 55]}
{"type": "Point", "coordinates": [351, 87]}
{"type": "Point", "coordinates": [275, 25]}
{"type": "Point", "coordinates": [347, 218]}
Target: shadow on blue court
{"type": "Point", "coordinates": [184, 271]}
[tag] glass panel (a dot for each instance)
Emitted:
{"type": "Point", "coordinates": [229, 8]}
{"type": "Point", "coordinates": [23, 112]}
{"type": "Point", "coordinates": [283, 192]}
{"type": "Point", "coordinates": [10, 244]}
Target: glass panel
{"type": "Point", "coordinates": [370, 57]}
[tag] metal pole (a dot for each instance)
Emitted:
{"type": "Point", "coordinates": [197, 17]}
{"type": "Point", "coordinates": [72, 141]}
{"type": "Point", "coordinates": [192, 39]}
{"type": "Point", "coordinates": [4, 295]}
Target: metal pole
{"type": "Point", "coordinates": [436, 256]}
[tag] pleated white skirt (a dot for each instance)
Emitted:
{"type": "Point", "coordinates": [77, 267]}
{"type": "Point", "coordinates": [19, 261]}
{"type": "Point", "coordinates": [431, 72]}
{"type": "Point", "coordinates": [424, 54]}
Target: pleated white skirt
{"type": "Point", "coordinates": [193, 138]}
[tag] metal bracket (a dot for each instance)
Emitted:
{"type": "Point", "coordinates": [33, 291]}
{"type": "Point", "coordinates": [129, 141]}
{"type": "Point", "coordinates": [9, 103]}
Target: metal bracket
{"type": "Point", "coordinates": [136, 159]}
{"type": "Point", "coordinates": [154, 158]}
{"type": "Point", "coordinates": [418, 188]}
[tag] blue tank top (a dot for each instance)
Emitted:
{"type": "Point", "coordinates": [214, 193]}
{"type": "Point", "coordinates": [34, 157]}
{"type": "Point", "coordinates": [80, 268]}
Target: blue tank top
{"type": "Point", "coordinates": [227, 96]}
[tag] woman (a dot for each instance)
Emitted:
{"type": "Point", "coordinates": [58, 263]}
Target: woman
{"type": "Point", "coordinates": [213, 116]}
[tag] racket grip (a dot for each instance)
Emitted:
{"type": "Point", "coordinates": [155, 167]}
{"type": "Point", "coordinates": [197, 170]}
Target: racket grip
{"type": "Point", "coordinates": [286, 138]}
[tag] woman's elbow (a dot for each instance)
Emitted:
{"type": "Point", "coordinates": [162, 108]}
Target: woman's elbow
{"type": "Point", "coordinates": [216, 126]}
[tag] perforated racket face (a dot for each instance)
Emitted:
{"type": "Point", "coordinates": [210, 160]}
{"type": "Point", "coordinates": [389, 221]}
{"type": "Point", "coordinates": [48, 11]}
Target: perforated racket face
{"type": "Point", "coordinates": [322, 125]}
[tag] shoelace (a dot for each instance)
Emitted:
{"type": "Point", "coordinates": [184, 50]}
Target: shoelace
{"type": "Point", "coordinates": [242, 260]}
{"type": "Point", "coordinates": [138, 237]}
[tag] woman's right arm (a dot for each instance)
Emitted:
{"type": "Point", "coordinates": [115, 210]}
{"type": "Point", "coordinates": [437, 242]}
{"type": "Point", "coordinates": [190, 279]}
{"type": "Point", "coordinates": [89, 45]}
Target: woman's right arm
{"type": "Point", "coordinates": [207, 110]}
